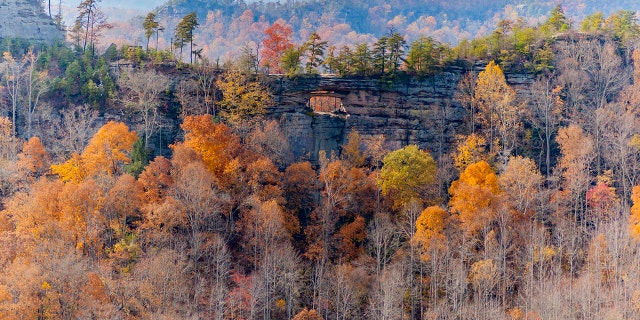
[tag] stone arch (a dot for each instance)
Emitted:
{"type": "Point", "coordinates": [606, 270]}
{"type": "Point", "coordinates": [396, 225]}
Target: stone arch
{"type": "Point", "coordinates": [326, 101]}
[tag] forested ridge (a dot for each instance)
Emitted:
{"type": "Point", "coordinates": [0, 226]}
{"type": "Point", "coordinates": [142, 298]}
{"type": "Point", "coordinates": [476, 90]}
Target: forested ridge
{"type": "Point", "coordinates": [228, 26]}
{"type": "Point", "coordinates": [139, 182]}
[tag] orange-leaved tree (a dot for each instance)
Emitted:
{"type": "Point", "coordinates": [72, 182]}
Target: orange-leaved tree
{"type": "Point", "coordinates": [430, 231]}
{"type": "Point", "coordinates": [34, 159]}
{"type": "Point", "coordinates": [278, 40]}
{"type": "Point", "coordinates": [214, 142]}
{"type": "Point", "coordinates": [474, 195]}
{"type": "Point", "coordinates": [634, 218]}
{"type": "Point", "coordinates": [106, 153]}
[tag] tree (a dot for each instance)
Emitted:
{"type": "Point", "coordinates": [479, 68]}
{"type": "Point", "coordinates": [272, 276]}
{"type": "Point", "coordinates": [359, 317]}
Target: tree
{"type": "Point", "coordinates": [591, 73]}
{"type": "Point", "coordinates": [151, 25]}
{"type": "Point", "coordinates": [122, 205]}
{"type": "Point", "coordinates": [407, 174]}
{"type": "Point", "coordinates": [465, 95]}
{"type": "Point", "coordinates": [34, 158]}
{"type": "Point", "coordinates": [592, 23]}
{"type": "Point", "coordinates": [469, 151]}
{"type": "Point", "coordinates": [242, 97]}
{"type": "Point", "coordinates": [352, 150]}
{"type": "Point", "coordinates": [424, 56]}
{"type": "Point", "coordinates": [548, 112]}
{"type": "Point", "coordinates": [362, 60]}
{"type": "Point", "coordinates": [92, 22]}
{"type": "Point", "coordinates": [634, 218]}
{"type": "Point", "coordinates": [269, 140]}
{"type": "Point", "coordinates": [521, 183]}
{"type": "Point", "coordinates": [497, 111]}
{"type": "Point", "coordinates": [36, 83]}
{"type": "Point", "coordinates": [430, 231]}
{"type": "Point", "coordinates": [384, 240]}
{"type": "Point", "coordinates": [156, 179]}
{"type": "Point", "coordinates": [557, 22]}
{"type": "Point", "coordinates": [388, 52]}
{"type": "Point", "coordinates": [13, 73]}
{"type": "Point", "coordinates": [306, 314]}
{"type": "Point", "coordinates": [215, 143]}
{"type": "Point", "coordinates": [473, 197]}
{"type": "Point", "coordinates": [202, 204]}
{"type": "Point", "coordinates": [623, 25]}
{"type": "Point", "coordinates": [80, 205]}
{"type": "Point", "coordinates": [106, 153]}
{"type": "Point", "coordinates": [184, 33]}
{"type": "Point", "coordinates": [314, 49]}
{"type": "Point", "coordinates": [277, 42]}
{"type": "Point", "coordinates": [574, 165]}
{"type": "Point", "coordinates": [142, 93]}
{"type": "Point", "coordinates": [207, 75]}
{"type": "Point", "coordinates": [139, 158]}
{"type": "Point", "coordinates": [290, 61]}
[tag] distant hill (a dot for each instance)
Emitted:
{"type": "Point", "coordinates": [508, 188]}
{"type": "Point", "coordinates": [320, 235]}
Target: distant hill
{"type": "Point", "coordinates": [228, 25]}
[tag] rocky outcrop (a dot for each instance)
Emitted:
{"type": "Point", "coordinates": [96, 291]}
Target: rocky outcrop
{"type": "Point", "coordinates": [318, 112]}
{"type": "Point", "coordinates": [26, 19]}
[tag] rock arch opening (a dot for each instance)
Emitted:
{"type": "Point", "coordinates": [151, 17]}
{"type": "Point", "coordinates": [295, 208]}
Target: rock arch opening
{"type": "Point", "coordinates": [326, 102]}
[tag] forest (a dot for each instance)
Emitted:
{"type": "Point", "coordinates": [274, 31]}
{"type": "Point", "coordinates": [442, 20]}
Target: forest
{"type": "Point", "coordinates": [142, 183]}
{"type": "Point", "coordinates": [228, 26]}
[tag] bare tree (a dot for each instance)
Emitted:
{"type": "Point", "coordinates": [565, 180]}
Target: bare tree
{"type": "Point", "coordinates": [385, 302]}
{"type": "Point", "coordinates": [202, 204]}
{"type": "Point", "coordinates": [76, 128]}
{"type": "Point", "coordinates": [13, 73]}
{"type": "Point", "coordinates": [185, 92]}
{"type": "Point", "coordinates": [36, 84]}
{"type": "Point", "coordinates": [383, 240]}
{"type": "Point", "coordinates": [548, 109]}
{"type": "Point", "coordinates": [206, 77]}
{"type": "Point", "coordinates": [591, 72]}
{"type": "Point", "coordinates": [142, 93]}
{"type": "Point", "coordinates": [91, 22]}
{"type": "Point", "coordinates": [465, 95]}
{"type": "Point", "coordinates": [218, 259]}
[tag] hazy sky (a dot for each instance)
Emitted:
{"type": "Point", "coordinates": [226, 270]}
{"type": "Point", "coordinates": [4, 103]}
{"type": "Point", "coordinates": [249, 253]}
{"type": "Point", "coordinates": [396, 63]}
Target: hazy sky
{"type": "Point", "coordinates": [128, 4]}
{"type": "Point", "coordinates": [116, 10]}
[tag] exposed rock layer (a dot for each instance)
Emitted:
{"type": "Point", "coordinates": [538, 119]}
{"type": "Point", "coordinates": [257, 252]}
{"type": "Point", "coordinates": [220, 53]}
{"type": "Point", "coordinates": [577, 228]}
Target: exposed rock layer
{"type": "Point", "coordinates": [318, 112]}
{"type": "Point", "coordinates": [26, 19]}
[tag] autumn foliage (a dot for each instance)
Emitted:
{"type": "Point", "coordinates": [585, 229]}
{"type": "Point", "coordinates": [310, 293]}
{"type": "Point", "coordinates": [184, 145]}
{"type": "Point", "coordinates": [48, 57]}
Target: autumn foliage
{"type": "Point", "coordinates": [225, 218]}
{"type": "Point", "coordinates": [277, 41]}
{"type": "Point", "coordinates": [106, 153]}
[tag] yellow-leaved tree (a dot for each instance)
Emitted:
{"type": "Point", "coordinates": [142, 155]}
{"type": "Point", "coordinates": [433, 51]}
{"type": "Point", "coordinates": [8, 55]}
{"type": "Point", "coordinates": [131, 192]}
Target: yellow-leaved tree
{"type": "Point", "coordinates": [107, 152]}
{"type": "Point", "coordinates": [407, 174]}
{"type": "Point", "coordinates": [470, 149]}
{"type": "Point", "coordinates": [242, 97]}
{"type": "Point", "coordinates": [497, 111]}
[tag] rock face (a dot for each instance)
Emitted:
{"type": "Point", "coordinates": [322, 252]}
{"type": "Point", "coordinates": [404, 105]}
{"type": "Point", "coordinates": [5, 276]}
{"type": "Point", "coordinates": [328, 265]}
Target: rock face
{"type": "Point", "coordinates": [26, 19]}
{"type": "Point", "coordinates": [317, 113]}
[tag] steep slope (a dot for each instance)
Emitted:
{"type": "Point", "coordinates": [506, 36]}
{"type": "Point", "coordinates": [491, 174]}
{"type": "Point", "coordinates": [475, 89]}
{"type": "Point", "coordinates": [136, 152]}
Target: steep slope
{"type": "Point", "coordinates": [26, 19]}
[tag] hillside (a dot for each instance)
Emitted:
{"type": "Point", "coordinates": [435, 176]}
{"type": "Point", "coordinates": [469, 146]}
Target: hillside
{"type": "Point", "coordinates": [495, 179]}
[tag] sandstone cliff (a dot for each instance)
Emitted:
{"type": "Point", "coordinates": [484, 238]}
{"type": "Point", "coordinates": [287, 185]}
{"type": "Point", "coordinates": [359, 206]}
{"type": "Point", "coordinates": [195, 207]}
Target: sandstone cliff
{"type": "Point", "coordinates": [26, 19]}
{"type": "Point", "coordinates": [318, 112]}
